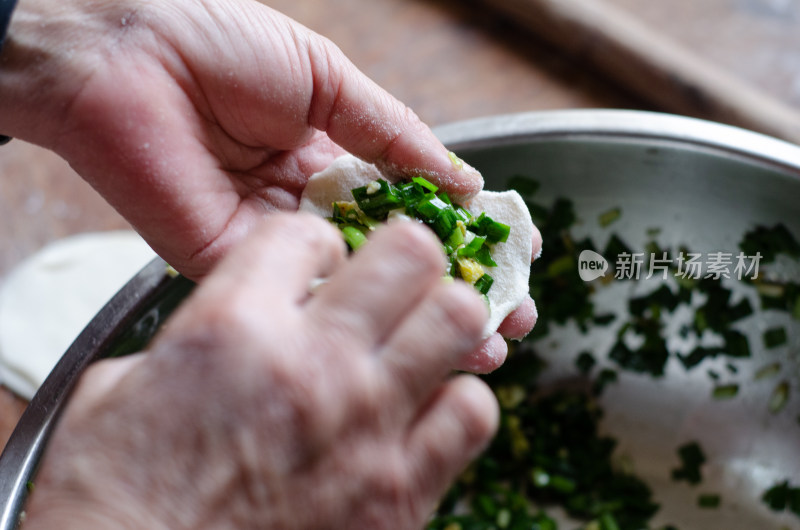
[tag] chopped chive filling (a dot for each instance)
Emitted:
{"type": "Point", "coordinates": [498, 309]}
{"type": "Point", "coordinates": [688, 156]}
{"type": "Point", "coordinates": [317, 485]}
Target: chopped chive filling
{"type": "Point", "coordinates": [692, 458]}
{"type": "Point", "coordinates": [709, 500]}
{"type": "Point", "coordinates": [725, 391]}
{"type": "Point", "coordinates": [783, 496]}
{"type": "Point", "coordinates": [779, 397]}
{"type": "Point", "coordinates": [774, 337]}
{"type": "Point", "coordinates": [606, 218]}
{"type": "Point", "coordinates": [468, 240]}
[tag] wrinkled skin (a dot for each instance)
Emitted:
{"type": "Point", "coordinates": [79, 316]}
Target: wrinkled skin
{"type": "Point", "coordinates": [337, 415]}
{"type": "Point", "coordinates": [196, 118]}
{"type": "Point", "coordinates": [258, 407]}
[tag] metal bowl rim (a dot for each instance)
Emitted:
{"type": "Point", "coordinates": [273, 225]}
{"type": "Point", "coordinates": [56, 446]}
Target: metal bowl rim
{"type": "Point", "coordinates": [618, 125]}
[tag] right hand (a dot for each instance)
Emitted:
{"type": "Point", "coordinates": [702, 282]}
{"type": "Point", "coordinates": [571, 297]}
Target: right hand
{"type": "Point", "coordinates": [261, 407]}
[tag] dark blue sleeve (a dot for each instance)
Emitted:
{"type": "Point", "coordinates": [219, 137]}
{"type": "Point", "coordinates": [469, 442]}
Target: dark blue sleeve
{"type": "Point", "coordinates": [6, 8]}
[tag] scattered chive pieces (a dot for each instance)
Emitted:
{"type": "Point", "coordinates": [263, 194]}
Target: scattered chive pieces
{"type": "Point", "coordinates": [774, 337]}
{"type": "Point", "coordinates": [725, 391]}
{"type": "Point", "coordinates": [608, 217]}
{"type": "Point", "coordinates": [779, 397]}
{"type": "Point", "coordinates": [783, 496]}
{"type": "Point", "coordinates": [709, 500]}
{"type": "Point", "coordinates": [604, 319]}
{"type": "Point", "coordinates": [769, 242]}
{"type": "Point", "coordinates": [692, 457]}
{"type": "Point", "coordinates": [533, 459]}
{"type": "Point", "coordinates": [607, 522]}
{"type": "Point", "coordinates": [457, 162]}
{"type": "Point", "coordinates": [523, 185]}
{"type": "Point", "coordinates": [585, 362]}
{"type": "Point", "coordinates": [604, 378]}
{"type": "Point", "coordinates": [765, 372]}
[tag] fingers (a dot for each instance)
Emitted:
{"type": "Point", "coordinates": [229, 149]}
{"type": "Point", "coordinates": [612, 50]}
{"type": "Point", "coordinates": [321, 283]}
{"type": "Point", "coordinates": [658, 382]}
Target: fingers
{"type": "Point", "coordinates": [487, 357]}
{"type": "Point", "coordinates": [430, 341]}
{"type": "Point", "coordinates": [521, 321]}
{"type": "Point", "coordinates": [364, 301]}
{"type": "Point", "coordinates": [451, 431]}
{"type": "Point", "coordinates": [367, 121]}
{"type": "Point", "coordinates": [273, 268]}
{"type": "Point", "coordinates": [536, 246]}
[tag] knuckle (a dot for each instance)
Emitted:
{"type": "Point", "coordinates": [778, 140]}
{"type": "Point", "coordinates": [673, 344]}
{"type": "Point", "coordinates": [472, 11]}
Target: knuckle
{"type": "Point", "coordinates": [307, 233]}
{"type": "Point", "coordinates": [461, 310]}
{"type": "Point", "coordinates": [478, 411]}
{"type": "Point", "coordinates": [417, 243]}
{"type": "Point", "coordinates": [392, 480]}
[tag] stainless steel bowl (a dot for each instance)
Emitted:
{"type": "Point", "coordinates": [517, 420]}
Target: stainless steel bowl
{"type": "Point", "coordinates": [702, 183]}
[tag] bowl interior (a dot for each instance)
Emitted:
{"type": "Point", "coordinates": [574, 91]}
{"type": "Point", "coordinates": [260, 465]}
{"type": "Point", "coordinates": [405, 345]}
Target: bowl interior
{"type": "Point", "coordinates": [704, 198]}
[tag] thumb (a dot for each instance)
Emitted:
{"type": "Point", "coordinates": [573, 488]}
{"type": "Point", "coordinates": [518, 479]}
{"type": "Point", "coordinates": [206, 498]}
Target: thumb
{"type": "Point", "coordinates": [367, 121]}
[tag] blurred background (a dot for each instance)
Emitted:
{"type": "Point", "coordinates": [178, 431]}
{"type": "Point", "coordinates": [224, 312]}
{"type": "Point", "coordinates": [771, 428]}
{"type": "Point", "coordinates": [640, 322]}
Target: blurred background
{"type": "Point", "coordinates": [733, 61]}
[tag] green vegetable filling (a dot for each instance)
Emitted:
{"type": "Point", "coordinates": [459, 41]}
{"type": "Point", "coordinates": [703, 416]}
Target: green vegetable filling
{"type": "Point", "coordinates": [468, 240]}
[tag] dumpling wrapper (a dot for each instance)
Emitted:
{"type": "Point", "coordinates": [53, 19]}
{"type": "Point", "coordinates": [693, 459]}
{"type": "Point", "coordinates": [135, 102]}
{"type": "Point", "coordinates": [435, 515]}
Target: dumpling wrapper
{"type": "Point", "coordinates": [513, 257]}
{"type": "Point", "coordinates": [47, 300]}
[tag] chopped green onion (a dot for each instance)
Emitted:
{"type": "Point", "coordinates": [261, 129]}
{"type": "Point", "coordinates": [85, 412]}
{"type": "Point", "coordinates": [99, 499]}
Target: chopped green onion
{"type": "Point", "coordinates": [425, 184]}
{"type": "Point", "coordinates": [709, 500]}
{"type": "Point", "coordinates": [445, 223]}
{"type": "Point", "coordinates": [607, 522]}
{"type": "Point", "coordinates": [562, 484]}
{"type": "Point", "coordinates": [779, 397]}
{"type": "Point", "coordinates": [606, 218]}
{"type": "Point", "coordinates": [484, 283]}
{"type": "Point", "coordinates": [585, 362]}
{"type": "Point", "coordinates": [455, 239]}
{"type": "Point", "coordinates": [430, 208]}
{"type": "Point", "coordinates": [471, 248]}
{"type": "Point", "coordinates": [353, 236]}
{"type": "Point", "coordinates": [463, 214]}
{"type": "Point", "coordinates": [765, 372]}
{"type": "Point", "coordinates": [484, 257]}
{"type": "Point", "coordinates": [692, 458]}
{"type": "Point", "coordinates": [379, 203]}
{"type": "Point", "coordinates": [457, 162]}
{"type": "Point", "coordinates": [725, 391]}
{"type": "Point", "coordinates": [422, 200]}
{"type": "Point", "coordinates": [774, 337]}
{"type": "Point", "coordinates": [485, 226]}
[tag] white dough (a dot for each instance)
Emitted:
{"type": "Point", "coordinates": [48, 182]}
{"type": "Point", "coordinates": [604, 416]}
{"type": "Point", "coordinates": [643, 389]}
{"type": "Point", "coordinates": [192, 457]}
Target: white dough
{"type": "Point", "coordinates": [48, 299]}
{"type": "Point", "coordinates": [513, 257]}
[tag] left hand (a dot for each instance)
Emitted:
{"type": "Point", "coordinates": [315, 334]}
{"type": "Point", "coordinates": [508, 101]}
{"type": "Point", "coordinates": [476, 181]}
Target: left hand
{"type": "Point", "coordinates": [196, 118]}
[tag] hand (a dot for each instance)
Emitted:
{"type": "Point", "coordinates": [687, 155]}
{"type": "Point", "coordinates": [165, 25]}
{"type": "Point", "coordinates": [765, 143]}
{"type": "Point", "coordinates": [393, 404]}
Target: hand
{"type": "Point", "coordinates": [196, 118]}
{"type": "Point", "coordinates": [261, 407]}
